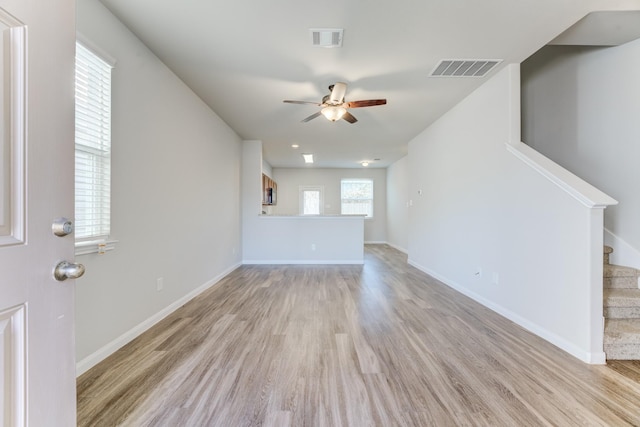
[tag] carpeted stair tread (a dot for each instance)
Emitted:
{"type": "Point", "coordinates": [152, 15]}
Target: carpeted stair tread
{"type": "Point", "coordinates": [622, 331]}
{"type": "Point", "coordinates": [622, 297]}
{"type": "Point", "coordinates": [621, 309]}
{"type": "Point", "coordinates": [620, 282]}
{"type": "Point", "coordinates": [611, 270]}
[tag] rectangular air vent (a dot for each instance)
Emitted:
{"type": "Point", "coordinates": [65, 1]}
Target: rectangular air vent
{"type": "Point", "coordinates": [326, 37]}
{"type": "Point", "coordinates": [464, 67]}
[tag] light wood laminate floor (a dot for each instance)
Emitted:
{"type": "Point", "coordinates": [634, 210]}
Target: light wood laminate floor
{"type": "Point", "coordinates": [376, 345]}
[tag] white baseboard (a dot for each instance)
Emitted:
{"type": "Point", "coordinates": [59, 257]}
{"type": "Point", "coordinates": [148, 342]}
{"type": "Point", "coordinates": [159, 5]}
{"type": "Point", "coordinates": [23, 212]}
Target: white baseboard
{"type": "Point", "coordinates": [403, 250]}
{"type": "Point", "coordinates": [374, 242]}
{"type": "Point", "coordinates": [597, 358]}
{"type": "Point", "coordinates": [623, 253]}
{"type": "Point", "coordinates": [301, 261]}
{"type": "Point", "coordinates": [105, 351]}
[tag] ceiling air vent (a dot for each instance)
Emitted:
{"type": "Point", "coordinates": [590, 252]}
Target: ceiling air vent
{"type": "Point", "coordinates": [464, 67]}
{"type": "Point", "coordinates": [326, 37]}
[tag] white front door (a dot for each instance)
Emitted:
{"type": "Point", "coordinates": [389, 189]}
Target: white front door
{"type": "Point", "coordinates": [37, 363]}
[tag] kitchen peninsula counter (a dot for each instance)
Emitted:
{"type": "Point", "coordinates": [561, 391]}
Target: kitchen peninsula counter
{"type": "Point", "coordinates": [307, 239]}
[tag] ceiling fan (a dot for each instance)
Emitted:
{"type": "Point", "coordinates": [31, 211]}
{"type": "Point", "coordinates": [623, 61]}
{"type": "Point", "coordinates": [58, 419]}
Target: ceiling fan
{"type": "Point", "coordinates": [334, 106]}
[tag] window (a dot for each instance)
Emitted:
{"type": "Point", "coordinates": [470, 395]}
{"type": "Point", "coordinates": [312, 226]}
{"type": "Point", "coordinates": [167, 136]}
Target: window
{"type": "Point", "coordinates": [311, 200]}
{"type": "Point", "coordinates": [93, 146]}
{"type": "Point", "coordinates": [356, 197]}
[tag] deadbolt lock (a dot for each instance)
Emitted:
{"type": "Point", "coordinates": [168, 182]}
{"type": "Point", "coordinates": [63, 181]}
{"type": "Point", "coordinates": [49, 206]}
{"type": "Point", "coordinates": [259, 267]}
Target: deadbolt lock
{"type": "Point", "coordinates": [62, 227]}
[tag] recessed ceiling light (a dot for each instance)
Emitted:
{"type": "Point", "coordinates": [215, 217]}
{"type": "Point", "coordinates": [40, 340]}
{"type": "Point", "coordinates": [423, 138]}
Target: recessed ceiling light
{"type": "Point", "coordinates": [308, 158]}
{"type": "Point", "coordinates": [365, 164]}
{"type": "Point", "coordinates": [295, 146]}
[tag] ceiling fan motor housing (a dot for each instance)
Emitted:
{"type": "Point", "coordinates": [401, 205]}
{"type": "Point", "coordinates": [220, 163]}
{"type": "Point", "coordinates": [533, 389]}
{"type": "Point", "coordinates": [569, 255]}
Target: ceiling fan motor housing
{"type": "Point", "coordinates": [337, 93]}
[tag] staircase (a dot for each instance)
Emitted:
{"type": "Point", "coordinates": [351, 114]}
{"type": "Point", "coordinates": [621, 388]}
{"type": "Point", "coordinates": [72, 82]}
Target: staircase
{"type": "Point", "coordinates": [621, 311]}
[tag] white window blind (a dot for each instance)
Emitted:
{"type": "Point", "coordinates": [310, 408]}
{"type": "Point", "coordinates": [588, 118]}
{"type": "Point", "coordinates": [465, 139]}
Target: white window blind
{"type": "Point", "coordinates": [356, 197]}
{"type": "Point", "coordinates": [93, 146]}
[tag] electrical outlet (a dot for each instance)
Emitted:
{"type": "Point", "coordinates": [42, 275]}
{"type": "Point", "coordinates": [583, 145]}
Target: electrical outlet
{"type": "Point", "coordinates": [313, 246]}
{"type": "Point", "coordinates": [159, 284]}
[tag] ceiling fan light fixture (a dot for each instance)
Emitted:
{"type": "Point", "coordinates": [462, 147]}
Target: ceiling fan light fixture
{"type": "Point", "coordinates": [334, 107]}
{"type": "Point", "coordinates": [334, 113]}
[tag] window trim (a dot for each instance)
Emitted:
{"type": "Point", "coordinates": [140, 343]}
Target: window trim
{"type": "Point", "coordinates": [84, 247]}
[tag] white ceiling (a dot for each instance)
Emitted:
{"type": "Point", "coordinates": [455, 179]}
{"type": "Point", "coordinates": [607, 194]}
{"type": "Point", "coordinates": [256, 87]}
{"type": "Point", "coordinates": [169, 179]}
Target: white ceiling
{"type": "Point", "coordinates": [244, 57]}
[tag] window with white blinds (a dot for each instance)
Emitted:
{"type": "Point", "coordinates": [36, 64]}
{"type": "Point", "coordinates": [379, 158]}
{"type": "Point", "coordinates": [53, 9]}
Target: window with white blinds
{"type": "Point", "coordinates": [93, 146]}
{"type": "Point", "coordinates": [357, 197]}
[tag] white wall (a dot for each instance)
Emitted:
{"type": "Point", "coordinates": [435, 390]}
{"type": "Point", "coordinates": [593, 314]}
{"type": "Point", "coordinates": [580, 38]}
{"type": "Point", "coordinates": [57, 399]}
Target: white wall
{"type": "Point", "coordinates": [398, 204]}
{"type": "Point", "coordinates": [251, 187]}
{"type": "Point", "coordinates": [497, 230]}
{"type": "Point", "coordinates": [290, 180]}
{"type": "Point", "coordinates": [580, 108]}
{"type": "Point", "coordinates": [266, 168]}
{"type": "Point", "coordinates": [175, 196]}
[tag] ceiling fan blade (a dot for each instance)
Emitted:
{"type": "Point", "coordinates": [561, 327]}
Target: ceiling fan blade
{"type": "Point", "coordinates": [337, 93]}
{"type": "Point", "coordinates": [366, 103]}
{"type": "Point", "coordinates": [311, 117]}
{"type": "Point", "coordinates": [349, 117]}
{"type": "Point", "coordinates": [288, 101]}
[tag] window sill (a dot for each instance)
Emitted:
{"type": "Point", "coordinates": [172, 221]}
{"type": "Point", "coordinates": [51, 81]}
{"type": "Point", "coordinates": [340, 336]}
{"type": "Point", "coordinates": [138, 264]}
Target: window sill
{"type": "Point", "coordinates": [95, 247]}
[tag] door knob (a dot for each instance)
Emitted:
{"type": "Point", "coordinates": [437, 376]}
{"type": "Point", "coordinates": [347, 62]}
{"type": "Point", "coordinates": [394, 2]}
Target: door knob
{"type": "Point", "coordinates": [68, 270]}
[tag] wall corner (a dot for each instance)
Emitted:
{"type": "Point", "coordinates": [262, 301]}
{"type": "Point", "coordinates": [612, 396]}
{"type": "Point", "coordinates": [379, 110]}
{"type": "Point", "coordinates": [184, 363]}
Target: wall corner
{"type": "Point", "coordinates": [515, 120]}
